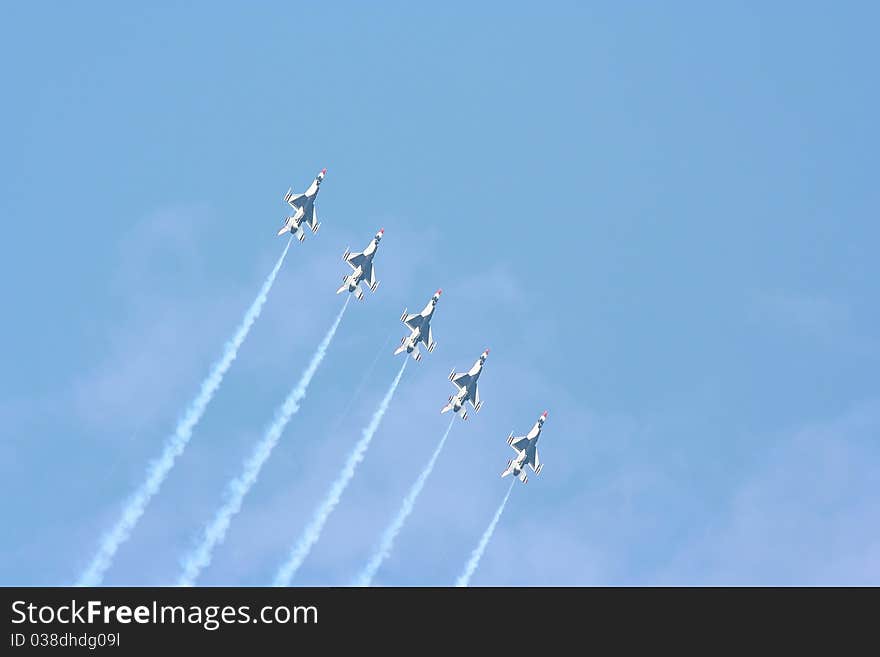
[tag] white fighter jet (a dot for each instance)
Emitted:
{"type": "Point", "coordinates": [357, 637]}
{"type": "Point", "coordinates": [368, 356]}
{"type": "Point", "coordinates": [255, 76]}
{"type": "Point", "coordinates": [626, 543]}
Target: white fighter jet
{"type": "Point", "coordinates": [467, 389]}
{"type": "Point", "coordinates": [362, 264]}
{"type": "Point", "coordinates": [420, 325]}
{"type": "Point", "coordinates": [526, 448]}
{"type": "Point", "coordinates": [303, 209]}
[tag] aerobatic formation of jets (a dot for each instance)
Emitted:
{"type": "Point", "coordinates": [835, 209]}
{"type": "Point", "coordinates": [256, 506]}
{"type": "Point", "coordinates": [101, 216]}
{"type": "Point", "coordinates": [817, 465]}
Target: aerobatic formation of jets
{"type": "Point", "coordinates": [419, 325]}
{"type": "Point", "coordinates": [420, 334]}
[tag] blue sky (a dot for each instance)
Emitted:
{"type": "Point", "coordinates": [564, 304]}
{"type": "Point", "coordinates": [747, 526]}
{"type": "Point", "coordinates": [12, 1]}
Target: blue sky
{"type": "Point", "coordinates": [661, 220]}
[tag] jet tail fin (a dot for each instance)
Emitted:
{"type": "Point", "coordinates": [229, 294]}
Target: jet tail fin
{"type": "Point", "coordinates": [284, 229]}
{"type": "Point", "coordinates": [400, 349]}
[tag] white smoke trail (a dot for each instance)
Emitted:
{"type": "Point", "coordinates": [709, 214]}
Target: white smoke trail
{"type": "Point", "coordinates": [158, 470]}
{"type": "Point", "coordinates": [477, 554]}
{"type": "Point", "coordinates": [367, 376]}
{"type": "Point", "coordinates": [366, 576]}
{"type": "Point", "coordinates": [313, 531]}
{"type": "Point", "coordinates": [215, 533]}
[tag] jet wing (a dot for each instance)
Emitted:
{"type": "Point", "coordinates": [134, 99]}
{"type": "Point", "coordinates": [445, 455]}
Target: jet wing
{"type": "Point", "coordinates": [519, 443]}
{"type": "Point", "coordinates": [313, 220]}
{"type": "Point", "coordinates": [413, 321]}
{"type": "Point", "coordinates": [356, 260]}
{"type": "Point", "coordinates": [292, 200]}
{"type": "Point", "coordinates": [370, 274]}
{"type": "Point", "coordinates": [535, 462]}
{"type": "Point", "coordinates": [475, 400]}
{"type": "Point", "coordinates": [429, 338]}
{"type": "Point", "coordinates": [462, 380]}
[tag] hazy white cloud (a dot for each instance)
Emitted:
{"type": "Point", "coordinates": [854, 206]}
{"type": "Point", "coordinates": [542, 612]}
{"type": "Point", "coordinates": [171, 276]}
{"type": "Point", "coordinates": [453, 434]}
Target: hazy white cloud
{"type": "Point", "coordinates": [807, 515]}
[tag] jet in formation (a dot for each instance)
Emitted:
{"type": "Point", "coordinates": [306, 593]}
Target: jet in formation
{"type": "Point", "coordinates": [362, 264]}
{"type": "Point", "coordinates": [303, 209]}
{"type": "Point", "coordinates": [420, 327]}
{"type": "Point", "coordinates": [526, 448]}
{"type": "Point", "coordinates": [467, 389]}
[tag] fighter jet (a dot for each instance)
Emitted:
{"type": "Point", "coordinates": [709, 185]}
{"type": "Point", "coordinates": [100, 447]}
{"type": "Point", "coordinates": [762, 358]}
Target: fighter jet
{"type": "Point", "coordinates": [420, 325]}
{"type": "Point", "coordinates": [526, 448]}
{"type": "Point", "coordinates": [467, 389]}
{"type": "Point", "coordinates": [303, 209]}
{"type": "Point", "coordinates": [362, 264]}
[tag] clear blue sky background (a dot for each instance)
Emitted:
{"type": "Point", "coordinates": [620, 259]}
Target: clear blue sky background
{"type": "Point", "coordinates": [663, 220]}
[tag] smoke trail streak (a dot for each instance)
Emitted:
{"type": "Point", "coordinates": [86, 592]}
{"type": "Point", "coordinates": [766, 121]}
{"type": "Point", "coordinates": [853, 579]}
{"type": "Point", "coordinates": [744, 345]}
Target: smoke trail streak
{"type": "Point", "coordinates": [367, 376]}
{"type": "Point", "coordinates": [158, 470]}
{"type": "Point", "coordinates": [384, 550]}
{"type": "Point", "coordinates": [215, 533]}
{"type": "Point", "coordinates": [477, 554]}
{"type": "Point", "coordinates": [313, 530]}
